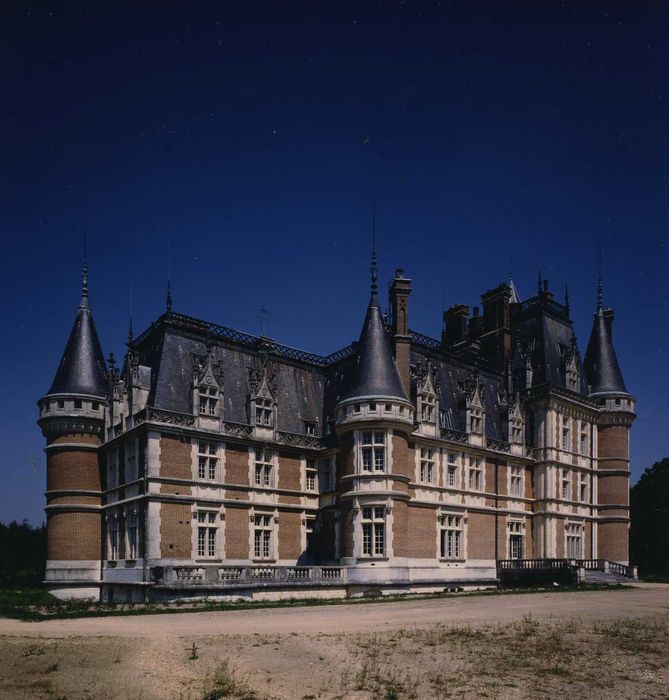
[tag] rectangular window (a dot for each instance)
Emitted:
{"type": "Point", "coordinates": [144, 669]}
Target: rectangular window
{"type": "Point", "coordinates": [450, 537]}
{"type": "Point", "coordinates": [427, 407]}
{"type": "Point", "coordinates": [206, 534]}
{"type": "Point", "coordinates": [565, 485]}
{"type": "Point", "coordinates": [264, 469]}
{"type": "Point", "coordinates": [574, 533]}
{"type": "Point", "coordinates": [426, 465]}
{"type": "Point", "coordinates": [475, 473]}
{"type": "Point", "coordinates": [311, 474]}
{"type": "Point", "coordinates": [566, 435]}
{"type": "Point", "coordinates": [452, 470]}
{"type": "Point", "coordinates": [131, 529]}
{"type": "Point", "coordinates": [516, 538]}
{"type": "Point", "coordinates": [374, 531]}
{"type": "Point", "coordinates": [476, 420]}
{"type": "Point", "coordinates": [262, 536]}
{"type": "Point", "coordinates": [207, 460]}
{"type": "Point", "coordinates": [584, 442]}
{"type": "Point", "coordinates": [112, 527]}
{"type": "Point", "coordinates": [263, 409]}
{"type": "Point", "coordinates": [373, 451]}
{"type": "Point", "coordinates": [516, 481]}
{"type": "Point", "coordinates": [208, 400]}
{"type": "Point", "coordinates": [516, 432]}
{"type": "Point", "coordinates": [583, 490]}
{"type": "Point", "coordinates": [309, 428]}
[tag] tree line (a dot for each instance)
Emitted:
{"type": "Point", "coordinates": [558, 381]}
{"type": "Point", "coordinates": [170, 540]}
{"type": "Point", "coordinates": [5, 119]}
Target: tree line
{"type": "Point", "coordinates": [22, 554]}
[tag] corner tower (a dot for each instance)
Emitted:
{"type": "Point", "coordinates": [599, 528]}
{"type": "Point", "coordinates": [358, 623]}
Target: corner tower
{"type": "Point", "coordinates": [607, 387]}
{"type": "Point", "coordinates": [72, 420]}
{"type": "Point", "coordinates": [373, 420]}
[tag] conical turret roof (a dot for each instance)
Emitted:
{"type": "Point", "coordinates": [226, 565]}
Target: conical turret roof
{"type": "Point", "coordinates": [82, 368]}
{"type": "Point", "coordinates": [375, 374]}
{"type": "Point", "coordinates": [601, 367]}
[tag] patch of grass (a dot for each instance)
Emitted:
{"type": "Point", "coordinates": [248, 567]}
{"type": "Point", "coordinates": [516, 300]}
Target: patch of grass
{"type": "Point", "coordinates": [223, 683]}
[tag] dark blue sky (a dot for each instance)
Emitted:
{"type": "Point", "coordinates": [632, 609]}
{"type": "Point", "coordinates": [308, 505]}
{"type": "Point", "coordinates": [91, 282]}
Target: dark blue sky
{"type": "Point", "coordinates": [254, 136]}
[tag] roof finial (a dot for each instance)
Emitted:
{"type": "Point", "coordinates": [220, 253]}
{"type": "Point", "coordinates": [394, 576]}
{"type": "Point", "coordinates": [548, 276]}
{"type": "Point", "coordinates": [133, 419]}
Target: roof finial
{"type": "Point", "coordinates": [539, 283]}
{"type": "Point", "coordinates": [168, 299]}
{"type": "Point", "coordinates": [600, 291]}
{"type": "Point", "coordinates": [84, 285]}
{"type": "Point", "coordinates": [373, 267]}
{"type": "Point", "coordinates": [130, 332]}
{"type": "Point", "coordinates": [566, 298]}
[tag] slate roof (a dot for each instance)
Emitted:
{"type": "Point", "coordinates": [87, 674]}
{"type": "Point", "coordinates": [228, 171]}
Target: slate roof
{"type": "Point", "coordinates": [601, 364]}
{"type": "Point", "coordinates": [374, 373]}
{"type": "Point", "coordinates": [82, 368]}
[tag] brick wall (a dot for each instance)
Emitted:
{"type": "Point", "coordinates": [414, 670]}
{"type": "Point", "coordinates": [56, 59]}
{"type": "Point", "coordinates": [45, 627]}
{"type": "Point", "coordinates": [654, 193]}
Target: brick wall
{"type": "Point", "coordinates": [76, 437]}
{"type": "Point", "coordinates": [176, 489]}
{"type": "Point", "coordinates": [290, 531]}
{"type": "Point", "coordinates": [73, 469]}
{"type": "Point", "coordinates": [559, 538]}
{"type": "Point", "coordinates": [73, 536]}
{"type": "Point", "coordinates": [175, 531]}
{"type": "Point", "coordinates": [422, 526]}
{"type": "Point", "coordinates": [401, 542]}
{"type": "Point", "coordinates": [237, 465]}
{"type": "Point", "coordinates": [613, 442]}
{"type": "Point", "coordinates": [290, 468]}
{"type": "Point", "coordinates": [346, 524]}
{"type": "Point", "coordinates": [613, 490]}
{"type": "Point", "coordinates": [481, 535]}
{"type": "Point", "coordinates": [175, 458]}
{"type": "Point", "coordinates": [346, 457]}
{"type": "Point", "coordinates": [403, 458]}
{"type": "Point", "coordinates": [236, 533]}
{"type": "Point", "coordinates": [612, 542]}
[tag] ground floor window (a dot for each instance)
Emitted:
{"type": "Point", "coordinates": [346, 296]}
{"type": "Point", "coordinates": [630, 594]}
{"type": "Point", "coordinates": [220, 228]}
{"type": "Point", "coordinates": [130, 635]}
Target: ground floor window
{"type": "Point", "coordinates": [451, 537]}
{"type": "Point", "coordinates": [112, 534]}
{"type": "Point", "coordinates": [516, 539]}
{"type": "Point", "coordinates": [374, 531]}
{"type": "Point", "coordinates": [131, 530]}
{"type": "Point", "coordinates": [574, 534]}
{"type": "Point", "coordinates": [262, 536]}
{"type": "Point", "coordinates": [206, 534]}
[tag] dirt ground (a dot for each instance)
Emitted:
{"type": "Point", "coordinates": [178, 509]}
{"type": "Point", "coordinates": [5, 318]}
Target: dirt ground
{"type": "Point", "coordinates": [513, 646]}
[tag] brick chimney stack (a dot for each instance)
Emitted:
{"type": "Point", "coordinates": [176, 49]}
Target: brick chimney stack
{"type": "Point", "coordinates": [400, 289]}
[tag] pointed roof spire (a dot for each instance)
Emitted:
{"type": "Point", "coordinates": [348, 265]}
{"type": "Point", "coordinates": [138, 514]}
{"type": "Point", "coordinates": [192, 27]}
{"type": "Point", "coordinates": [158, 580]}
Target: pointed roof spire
{"type": "Point", "coordinates": [515, 297]}
{"type": "Point", "coordinates": [375, 374]}
{"type": "Point", "coordinates": [82, 367]}
{"type": "Point", "coordinates": [600, 364]}
{"type": "Point", "coordinates": [539, 283]}
{"type": "Point", "coordinates": [566, 297]}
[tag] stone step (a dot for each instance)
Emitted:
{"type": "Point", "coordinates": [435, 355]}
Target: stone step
{"type": "Point", "coordinates": [604, 577]}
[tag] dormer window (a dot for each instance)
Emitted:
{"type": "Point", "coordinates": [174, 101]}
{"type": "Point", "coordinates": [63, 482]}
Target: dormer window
{"type": "Point", "coordinates": [263, 409]}
{"type": "Point", "coordinates": [309, 428]}
{"type": "Point", "coordinates": [208, 400]}
{"type": "Point", "coordinates": [427, 399]}
{"type": "Point", "coordinates": [476, 420]}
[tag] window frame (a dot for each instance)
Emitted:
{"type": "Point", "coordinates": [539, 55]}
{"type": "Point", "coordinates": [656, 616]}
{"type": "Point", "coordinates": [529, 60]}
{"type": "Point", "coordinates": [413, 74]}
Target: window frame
{"type": "Point", "coordinates": [373, 541]}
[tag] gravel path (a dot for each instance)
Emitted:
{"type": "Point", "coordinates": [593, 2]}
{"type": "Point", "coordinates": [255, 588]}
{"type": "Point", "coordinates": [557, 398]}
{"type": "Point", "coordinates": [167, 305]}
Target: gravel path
{"type": "Point", "coordinates": [644, 600]}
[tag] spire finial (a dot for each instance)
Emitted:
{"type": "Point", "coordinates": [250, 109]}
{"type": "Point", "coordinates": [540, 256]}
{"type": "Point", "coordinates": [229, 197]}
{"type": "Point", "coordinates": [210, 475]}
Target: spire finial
{"type": "Point", "coordinates": [600, 289]}
{"type": "Point", "coordinates": [84, 285]}
{"type": "Point", "coordinates": [373, 267]}
{"type": "Point", "coordinates": [539, 283]}
{"type": "Point", "coordinates": [168, 299]}
{"type": "Point", "coordinates": [130, 332]}
{"type": "Point", "coordinates": [566, 298]}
